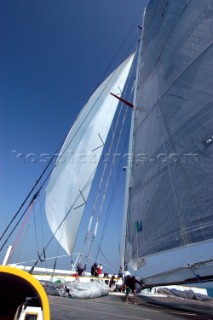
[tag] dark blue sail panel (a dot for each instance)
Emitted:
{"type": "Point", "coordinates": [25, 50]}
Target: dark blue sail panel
{"type": "Point", "coordinates": [171, 175]}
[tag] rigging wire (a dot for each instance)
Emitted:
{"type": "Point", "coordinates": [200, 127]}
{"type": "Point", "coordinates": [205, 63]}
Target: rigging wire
{"type": "Point", "coordinates": [112, 165]}
{"type": "Point", "coordinates": [110, 173]}
{"type": "Point", "coordinates": [106, 259]}
{"type": "Point", "coordinates": [35, 226]}
{"type": "Point", "coordinates": [50, 258]}
{"type": "Point", "coordinates": [22, 228]}
{"type": "Point", "coordinates": [55, 261]}
{"type": "Point", "coordinates": [57, 254]}
{"type": "Point", "coordinates": [25, 201]}
{"type": "Point", "coordinates": [27, 197]}
{"type": "Point", "coordinates": [120, 48]}
{"type": "Point", "coordinates": [97, 197]}
{"type": "Point", "coordinates": [101, 183]}
{"type": "Point", "coordinates": [31, 203]}
{"type": "Point", "coordinates": [59, 226]}
{"type": "Point", "coordinates": [41, 222]}
{"type": "Point", "coordinates": [113, 194]}
{"type": "Point", "coordinates": [27, 216]}
{"type": "Point", "coordinates": [23, 214]}
{"type": "Point", "coordinates": [36, 233]}
{"type": "Point", "coordinates": [99, 190]}
{"type": "Point", "coordinates": [21, 245]}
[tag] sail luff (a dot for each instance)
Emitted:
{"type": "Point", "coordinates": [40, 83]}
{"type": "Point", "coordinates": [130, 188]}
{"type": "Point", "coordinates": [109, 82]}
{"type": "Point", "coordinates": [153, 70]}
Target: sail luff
{"type": "Point", "coordinates": [72, 177]}
{"type": "Point", "coordinates": [125, 255]}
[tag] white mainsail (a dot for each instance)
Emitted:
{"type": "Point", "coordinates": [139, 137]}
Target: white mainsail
{"type": "Point", "coordinates": [72, 177]}
{"type": "Point", "coordinates": [171, 176]}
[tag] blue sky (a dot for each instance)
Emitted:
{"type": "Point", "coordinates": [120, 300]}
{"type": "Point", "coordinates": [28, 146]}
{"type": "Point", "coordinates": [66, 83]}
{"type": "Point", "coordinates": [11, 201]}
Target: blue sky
{"type": "Point", "coordinates": [54, 53]}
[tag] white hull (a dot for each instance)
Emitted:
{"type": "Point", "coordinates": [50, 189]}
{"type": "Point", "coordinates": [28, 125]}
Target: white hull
{"type": "Point", "coordinates": [195, 274]}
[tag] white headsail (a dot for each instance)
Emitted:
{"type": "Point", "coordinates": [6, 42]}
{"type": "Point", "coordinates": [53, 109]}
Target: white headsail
{"type": "Point", "coordinates": [72, 177]}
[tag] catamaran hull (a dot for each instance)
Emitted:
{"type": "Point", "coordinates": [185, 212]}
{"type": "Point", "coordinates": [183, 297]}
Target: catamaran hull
{"type": "Point", "coordinates": [199, 275]}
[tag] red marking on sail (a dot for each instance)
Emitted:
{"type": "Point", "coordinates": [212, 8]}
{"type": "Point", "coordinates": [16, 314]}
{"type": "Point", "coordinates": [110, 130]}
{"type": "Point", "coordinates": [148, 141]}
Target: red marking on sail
{"type": "Point", "coordinates": [129, 104]}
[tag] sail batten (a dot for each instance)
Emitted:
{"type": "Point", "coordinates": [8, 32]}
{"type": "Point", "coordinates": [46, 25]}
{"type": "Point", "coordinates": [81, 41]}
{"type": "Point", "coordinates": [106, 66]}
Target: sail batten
{"type": "Point", "coordinates": [72, 177]}
{"type": "Point", "coordinates": [171, 175]}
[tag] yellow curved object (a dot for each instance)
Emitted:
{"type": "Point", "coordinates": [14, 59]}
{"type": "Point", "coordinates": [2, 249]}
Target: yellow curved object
{"type": "Point", "coordinates": [34, 283]}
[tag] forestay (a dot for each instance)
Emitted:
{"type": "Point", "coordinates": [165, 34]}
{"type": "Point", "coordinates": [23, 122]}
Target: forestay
{"type": "Point", "coordinates": [72, 177]}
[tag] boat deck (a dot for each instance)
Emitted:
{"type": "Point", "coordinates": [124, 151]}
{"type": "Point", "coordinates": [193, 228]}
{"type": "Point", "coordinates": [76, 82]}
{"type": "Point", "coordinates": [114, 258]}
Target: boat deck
{"type": "Point", "coordinates": [114, 307]}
